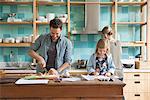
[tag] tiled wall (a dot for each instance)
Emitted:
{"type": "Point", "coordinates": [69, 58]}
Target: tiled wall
{"type": "Point", "coordinates": [84, 45]}
{"type": "Point", "coordinates": [19, 54]}
{"type": "Point", "coordinates": [23, 12]}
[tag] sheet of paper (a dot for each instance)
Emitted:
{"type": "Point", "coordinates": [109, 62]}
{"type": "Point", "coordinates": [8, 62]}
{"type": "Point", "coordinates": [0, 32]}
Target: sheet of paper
{"type": "Point", "coordinates": [101, 77]}
{"type": "Point", "coordinates": [88, 77]}
{"type": "Point", "coordinates": [39, 81]}
{"type": "Point", "coordinates": [72, 79]}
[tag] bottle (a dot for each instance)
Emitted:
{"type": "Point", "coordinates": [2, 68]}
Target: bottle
{"type": "Point", "coordinates": [137, 64]}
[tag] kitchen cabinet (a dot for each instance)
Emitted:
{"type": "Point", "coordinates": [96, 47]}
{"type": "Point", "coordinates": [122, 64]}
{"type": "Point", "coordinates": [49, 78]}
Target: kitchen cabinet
{"type": "Point", "coordinates": [137, 85]}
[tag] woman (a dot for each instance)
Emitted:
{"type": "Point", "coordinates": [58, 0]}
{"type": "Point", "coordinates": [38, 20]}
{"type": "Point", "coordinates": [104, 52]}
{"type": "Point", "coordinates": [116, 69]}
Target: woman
{"type": "Point", "coordinates": [115, 49]}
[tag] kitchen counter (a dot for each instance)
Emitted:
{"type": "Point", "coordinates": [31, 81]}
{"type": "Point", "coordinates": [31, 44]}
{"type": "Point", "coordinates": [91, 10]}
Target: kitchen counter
{"type": "Point", "coordinates": [79, 90]}
{"type": "Point", "coordinates": [75, 71]}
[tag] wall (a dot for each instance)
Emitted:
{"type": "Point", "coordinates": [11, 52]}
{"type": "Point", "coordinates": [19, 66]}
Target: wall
{"type": "Point", "coordinates": [84, 45]}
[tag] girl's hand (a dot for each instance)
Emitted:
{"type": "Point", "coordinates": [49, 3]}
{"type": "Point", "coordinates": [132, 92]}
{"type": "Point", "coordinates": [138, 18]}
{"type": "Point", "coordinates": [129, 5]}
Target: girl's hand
{"type": "Point", "coordinates": [108, 74]}
{"type": "Point", "coordinates": [97, 70]}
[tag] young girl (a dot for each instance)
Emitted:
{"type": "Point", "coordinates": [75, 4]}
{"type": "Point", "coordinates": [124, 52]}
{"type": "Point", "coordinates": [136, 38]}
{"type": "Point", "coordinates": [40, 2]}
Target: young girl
{"type": "Point", "coordinates": [100, 63]}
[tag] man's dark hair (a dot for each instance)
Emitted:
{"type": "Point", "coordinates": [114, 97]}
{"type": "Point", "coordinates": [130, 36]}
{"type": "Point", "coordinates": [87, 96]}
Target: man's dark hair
{"type": "Point", "coordinates": [56, 23]}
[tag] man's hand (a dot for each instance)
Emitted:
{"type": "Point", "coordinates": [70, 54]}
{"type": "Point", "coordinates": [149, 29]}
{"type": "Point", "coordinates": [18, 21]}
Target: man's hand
{"type": "Point", "coordinates": [42, 63]}
{"type": "Point", "coordinates": [52, 71]}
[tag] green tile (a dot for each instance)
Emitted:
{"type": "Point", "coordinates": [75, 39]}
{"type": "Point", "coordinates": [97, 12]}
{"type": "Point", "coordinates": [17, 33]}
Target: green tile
{"type": "Point", "coordinates": [21, 30]}
{"type": "Point", "coordinates": [20, 15]}
{"type": "Point", "coordinates": [13, 9]}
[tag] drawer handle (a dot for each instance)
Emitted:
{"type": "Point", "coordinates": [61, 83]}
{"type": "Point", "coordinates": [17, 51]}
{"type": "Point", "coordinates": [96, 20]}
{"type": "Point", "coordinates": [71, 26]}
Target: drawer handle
{"type": "Point", "coordinates": [137, 75]}
{"type": "Point", "coordinates": [137, 82]}
{"type": "Point", "coordinates": [137, 95]}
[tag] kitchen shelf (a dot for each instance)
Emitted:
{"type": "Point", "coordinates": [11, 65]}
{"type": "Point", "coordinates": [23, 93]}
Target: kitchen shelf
{"type": "Point", "coordinates": [16, 22]}
{"type": "Point", "coordinates": [15, 3]}
{"type": "Point", "coordinates": [50, 3]}
{"type": "Point", "coordinates": [141, 23]}
{"type": "Point", "coordinates": [132, 3]}
{"type": "Point", "coordinates": [42, 23]}
{"type": "Point", "coordinates": [15, 44]}
{"type": "Point", "coordinates": [132, 44]}
{"type": "Point", "coordinates": [83, 3]}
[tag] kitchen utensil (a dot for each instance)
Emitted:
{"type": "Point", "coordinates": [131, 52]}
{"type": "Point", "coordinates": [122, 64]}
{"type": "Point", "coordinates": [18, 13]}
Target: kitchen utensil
{"type": "Point", "coordinates": [81, 64]}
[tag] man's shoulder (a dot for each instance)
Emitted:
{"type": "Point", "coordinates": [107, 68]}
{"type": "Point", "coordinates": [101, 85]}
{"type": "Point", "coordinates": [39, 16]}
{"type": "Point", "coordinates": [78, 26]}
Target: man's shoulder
{"type": "Point", "coordinates": [65, 39]}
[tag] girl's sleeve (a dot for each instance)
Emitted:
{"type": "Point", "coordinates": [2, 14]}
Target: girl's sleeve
{"type": "Point", "coordinates": [90, 65]}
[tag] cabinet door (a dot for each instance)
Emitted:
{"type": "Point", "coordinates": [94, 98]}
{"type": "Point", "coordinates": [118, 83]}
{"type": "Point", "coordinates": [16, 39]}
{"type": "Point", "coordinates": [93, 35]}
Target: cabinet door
{"type": "Point", "coordinates": [135, 76]}
{"type": "Point", "coordinates": [135, 85]}
{"type": "Point", "coordinates": [136, 96]}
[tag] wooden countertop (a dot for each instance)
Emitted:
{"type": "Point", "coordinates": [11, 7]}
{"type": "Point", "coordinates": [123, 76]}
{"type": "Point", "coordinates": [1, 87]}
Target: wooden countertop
{"type": "Point", "coordinates": [65, 90]}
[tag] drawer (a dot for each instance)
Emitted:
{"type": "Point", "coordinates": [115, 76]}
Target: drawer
{"type": "Point", "coordinates": [135, 85]}
{"type": "Point", "coordinates": [136, 96]}
{"type": "Point", "coordinates": [135, 76]}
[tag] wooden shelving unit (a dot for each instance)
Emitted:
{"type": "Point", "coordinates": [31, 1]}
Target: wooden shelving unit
{"type": "Point", "coordinates": [141, 23]}
{"type": "Point", "coordinates": [70, 3]}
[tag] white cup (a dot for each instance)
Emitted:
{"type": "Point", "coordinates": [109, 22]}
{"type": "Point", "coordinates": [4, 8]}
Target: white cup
{"type": "Point", "coordinates": [50, 16]}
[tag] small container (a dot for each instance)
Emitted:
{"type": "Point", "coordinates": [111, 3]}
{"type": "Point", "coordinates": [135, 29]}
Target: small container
{"type": "Point", "coordinates": [1, 40]}
{"type": "Point", "coordinates": [137, 64]}
{"type": "Point", "coordinates": [18, 39]}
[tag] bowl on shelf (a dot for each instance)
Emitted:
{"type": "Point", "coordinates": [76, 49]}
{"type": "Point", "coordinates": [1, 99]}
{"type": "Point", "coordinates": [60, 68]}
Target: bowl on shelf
{"type": "Point", "coordinates": [128, 65]}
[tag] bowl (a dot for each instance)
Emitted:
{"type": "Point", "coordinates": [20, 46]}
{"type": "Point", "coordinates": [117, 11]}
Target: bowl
{"type": "Point", "coordinates": [128, 65]}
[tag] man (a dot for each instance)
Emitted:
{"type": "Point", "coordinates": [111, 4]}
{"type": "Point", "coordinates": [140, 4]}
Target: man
{"type": "Point", "coordinates": [52, 51]}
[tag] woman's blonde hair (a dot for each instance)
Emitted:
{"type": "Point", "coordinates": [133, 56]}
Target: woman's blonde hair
{"type": "Point", "coordinates": [107, 30]}
{"type": "Point", "coordinates": [102, 43]}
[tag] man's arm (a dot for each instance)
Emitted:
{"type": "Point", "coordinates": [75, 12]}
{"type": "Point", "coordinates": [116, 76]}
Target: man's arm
{"type": "Point", "coordinates": [36, 56]}
{"type": "Point", "coordinates": [64, 66]}
{"type": "Point", "coordinates": [67, 57]}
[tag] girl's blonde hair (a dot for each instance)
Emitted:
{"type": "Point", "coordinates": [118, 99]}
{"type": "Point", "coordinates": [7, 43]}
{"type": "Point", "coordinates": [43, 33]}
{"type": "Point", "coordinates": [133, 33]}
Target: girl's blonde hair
{"type": "Point", "coordinates": [102, 43]}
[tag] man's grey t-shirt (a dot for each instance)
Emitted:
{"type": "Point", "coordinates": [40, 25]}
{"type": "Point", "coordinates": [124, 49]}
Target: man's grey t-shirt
{"type": "Point", "coordinates": [52, 52]}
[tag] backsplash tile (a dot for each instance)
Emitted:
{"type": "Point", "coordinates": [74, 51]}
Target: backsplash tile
{"type": "Point", "coordinates": [20, 54]}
